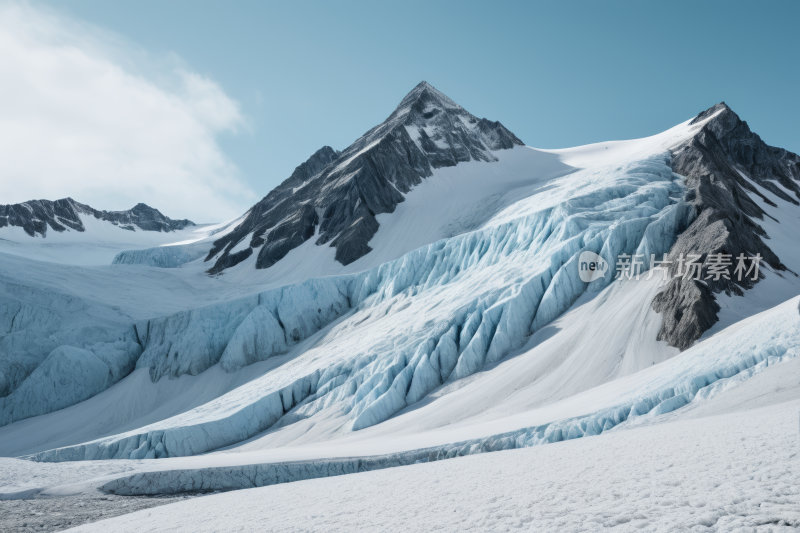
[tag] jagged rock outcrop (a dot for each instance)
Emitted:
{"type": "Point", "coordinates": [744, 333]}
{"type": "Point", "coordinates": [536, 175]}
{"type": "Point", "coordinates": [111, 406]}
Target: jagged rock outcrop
{"type": "Point", "coordinates": [712, 162]}
{"type": "Point", "coordinates": [36, 215]}
{"type": "Point", "coordinates": [337, 195]}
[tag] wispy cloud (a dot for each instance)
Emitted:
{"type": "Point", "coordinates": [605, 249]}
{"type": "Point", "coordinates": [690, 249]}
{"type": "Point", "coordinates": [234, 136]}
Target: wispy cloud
{"type": "Point", "coordinates": [87, 115]}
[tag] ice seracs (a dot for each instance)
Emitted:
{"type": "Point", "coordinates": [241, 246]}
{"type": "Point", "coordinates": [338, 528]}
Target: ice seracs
{"type": "Point", "coordinates": [463, 302]}
{"type": "Point", "coordinates": [57, 350]}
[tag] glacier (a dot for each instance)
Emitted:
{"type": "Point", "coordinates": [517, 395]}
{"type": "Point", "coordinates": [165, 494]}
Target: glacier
{"type": "Point", "coordinates": [696, 376]}
{"type": "Point", "coordinates": [162, 256]}
{"type": "Point", "coordinates": [42, 332]}
{"type": "Point", "coordinates": [522, 274]}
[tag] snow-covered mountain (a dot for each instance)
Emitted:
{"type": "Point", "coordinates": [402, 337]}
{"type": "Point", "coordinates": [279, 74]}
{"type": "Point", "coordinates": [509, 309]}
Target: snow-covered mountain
{"type": "Point", "coordinates": [68, 232]}
{"type": "Point", "coordinates": [417, 297]}
{"type": "Point", "coordinates": [722, 161]}
{"type": "Point", "coordinates": [336, 196]}
{"type": "Point", "coordinates": [36, 216]}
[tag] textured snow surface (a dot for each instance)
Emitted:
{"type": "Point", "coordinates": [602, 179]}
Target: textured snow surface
{"type": "Point", "coordinates": [733, 472]}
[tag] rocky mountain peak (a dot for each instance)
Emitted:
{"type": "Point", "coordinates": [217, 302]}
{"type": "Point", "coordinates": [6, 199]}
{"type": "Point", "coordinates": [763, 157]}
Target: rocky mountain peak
{"type": "Point", "coordinates": [721, 164]}
{"type": "Point", "coordinates": [443, 131]}
{"type": "Point", "coordinates": [763, 164]}
{"type": "Point", "coordinates": [425, 94]}
{"type": "Point", "coordinates": [711, 111]}
{"type": "Point", "coordinates": [144, 217]}
{"type": "Point", "coordinates": [337, 195]}
{"type": "Point", "coordinates": [311, 167]}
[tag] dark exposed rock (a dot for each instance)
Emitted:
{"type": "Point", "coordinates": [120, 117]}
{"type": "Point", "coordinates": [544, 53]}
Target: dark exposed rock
{"type": "Point", "coordinates": [36, 215]}
{"type": "Point", "coordinates": [762, 163]}
{"type": "Point", "coordinates": [143, 217]}
{"type": "Point", "coordinates": [711, 162]}
{"type": "Point", "coordinates": [352, 242]}
{"type": "Point", "coordinates": [689, 310]}
{"type": "Point", "coordinates": [336, 196]}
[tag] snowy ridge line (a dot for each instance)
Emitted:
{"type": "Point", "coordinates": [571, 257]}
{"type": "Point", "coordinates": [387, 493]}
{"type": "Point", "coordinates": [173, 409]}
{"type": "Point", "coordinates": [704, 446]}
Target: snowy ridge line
{"type": "Point", "coordinates": [35, 216]}
{"type": "Point", "coordinates": [260, 475]}
{"type": "Point", "coordinates": [527, 271]}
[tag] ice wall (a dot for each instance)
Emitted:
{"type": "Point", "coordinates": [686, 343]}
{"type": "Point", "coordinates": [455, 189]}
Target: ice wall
{"type": "Point", "coordinates": [162, 256]}
{"type": "Point", "coordinates": [437, 314]}
{"type": "Point", "coordinates": [42, 327]}
{"type": "Point", "coordinates": [241, 332]}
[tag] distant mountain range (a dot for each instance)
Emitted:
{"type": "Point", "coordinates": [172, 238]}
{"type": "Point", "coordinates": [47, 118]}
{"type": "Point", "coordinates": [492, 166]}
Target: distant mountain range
{"type": "Point", "coordinates": [36, 216]}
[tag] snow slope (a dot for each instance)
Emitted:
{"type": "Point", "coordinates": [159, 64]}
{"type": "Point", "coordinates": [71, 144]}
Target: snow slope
{"type": "Point", "coordinates": [745, 384]}
{"type": "Point", "coordinates": [719, 365]}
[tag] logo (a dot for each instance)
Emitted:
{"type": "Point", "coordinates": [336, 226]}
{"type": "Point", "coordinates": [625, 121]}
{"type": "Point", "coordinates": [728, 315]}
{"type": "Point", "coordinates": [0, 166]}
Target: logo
{"type": "Point", "coordinates": [591, 266]}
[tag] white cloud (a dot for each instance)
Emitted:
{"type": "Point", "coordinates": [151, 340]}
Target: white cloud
{"type": "Point", "coordinates": [85, 115]}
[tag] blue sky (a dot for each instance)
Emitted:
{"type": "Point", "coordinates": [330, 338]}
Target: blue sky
{"type": "Point", "coordinates": [305, 74]}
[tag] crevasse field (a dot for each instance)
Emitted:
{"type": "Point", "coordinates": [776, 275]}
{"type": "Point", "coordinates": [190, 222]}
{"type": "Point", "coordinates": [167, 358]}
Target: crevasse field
{"type": "Point", "coordinates": [380, 390]}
